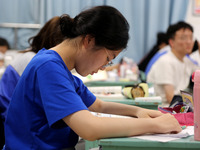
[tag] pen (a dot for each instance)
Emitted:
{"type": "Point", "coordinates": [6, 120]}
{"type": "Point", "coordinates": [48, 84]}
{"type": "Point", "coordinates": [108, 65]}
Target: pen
{"type": "Point", "coordinates": [183, 127]}
{"type": "Point", "coordinates": [173, 112]}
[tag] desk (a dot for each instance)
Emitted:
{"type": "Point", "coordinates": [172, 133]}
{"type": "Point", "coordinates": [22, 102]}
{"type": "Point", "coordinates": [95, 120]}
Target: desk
{"type": "Point", "coordinates": [110, 83]}
{"type": "Point", "coordinates": [98, 87]}
{"type": "Point", "coordinates": [146, 104]}
{"type": "Point", "coordinates": [138, 144]}
{"type": "Point", "coordinates": [149, 105]}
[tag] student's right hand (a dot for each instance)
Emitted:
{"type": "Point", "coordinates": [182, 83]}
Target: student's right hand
{"type": "Point", "coordinates": [167, 123]}
{"type": "Point", "coordinates": [148, 113]}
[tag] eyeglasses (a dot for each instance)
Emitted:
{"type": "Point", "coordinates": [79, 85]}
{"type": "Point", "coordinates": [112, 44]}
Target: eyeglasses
{"type": "Point", "coordinates": [108, 60]}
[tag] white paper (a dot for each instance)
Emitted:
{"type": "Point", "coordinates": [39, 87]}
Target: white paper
{"type": "Point", "coordinates": [148, 99]}
{"type": "Point", "coordinates": [108, 115]}
{"type": "Point", "coordinates": [189, 130]}
{"type": "Point", "coordinates": [110, 96]}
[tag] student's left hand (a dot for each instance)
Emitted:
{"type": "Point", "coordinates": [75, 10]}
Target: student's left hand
{"type": "Point", "coordinates": [147, 113]}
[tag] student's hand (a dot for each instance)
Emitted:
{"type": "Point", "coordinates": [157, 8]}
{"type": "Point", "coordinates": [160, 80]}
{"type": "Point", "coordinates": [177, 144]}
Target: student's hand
{"type": "Point", "coordinates": [167, 123]}
{"type": "Point", "coordinates": [147, 113]}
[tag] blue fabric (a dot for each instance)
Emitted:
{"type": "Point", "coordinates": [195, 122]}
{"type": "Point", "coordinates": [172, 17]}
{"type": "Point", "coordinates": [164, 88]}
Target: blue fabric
{"type": "Point", "coordinates": [7, 86]}
{"type": "Point", "coordinates": [153, 60]}
{"type": "Point", "coordinates": [45, 93]}
{"type": "Point", "coordinates": [192, 60]}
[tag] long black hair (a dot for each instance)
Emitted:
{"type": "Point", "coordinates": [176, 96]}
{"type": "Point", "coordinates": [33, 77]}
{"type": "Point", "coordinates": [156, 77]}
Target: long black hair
{"type": "Point", "coordinates": [105, 23]}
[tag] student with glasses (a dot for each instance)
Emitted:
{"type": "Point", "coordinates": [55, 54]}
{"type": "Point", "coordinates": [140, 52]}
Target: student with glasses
{"type": "Point", "coordinates": [50, 107]}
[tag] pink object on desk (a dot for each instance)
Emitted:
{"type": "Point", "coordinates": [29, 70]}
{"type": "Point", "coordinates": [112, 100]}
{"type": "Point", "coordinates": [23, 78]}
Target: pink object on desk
{"type": "Point", "coordinates": [196, 99]}
{"type": "Point", "coordinates": [183, 118]}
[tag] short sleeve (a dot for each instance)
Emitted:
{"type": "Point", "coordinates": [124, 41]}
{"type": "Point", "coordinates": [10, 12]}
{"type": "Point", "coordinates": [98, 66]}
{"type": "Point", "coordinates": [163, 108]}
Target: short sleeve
{"type": "Point", "coordinates": [7, 85]}
{"type": "Point", "coordinates": [58, 93]}
{"type": "Point", "coordinates": [87, 96]}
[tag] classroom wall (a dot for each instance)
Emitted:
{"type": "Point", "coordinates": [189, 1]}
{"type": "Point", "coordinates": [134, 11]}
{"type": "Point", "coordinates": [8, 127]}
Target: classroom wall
{"type": "Point", "coordinates": [193, 19]}
{"type": "Point", "coordinates": [146, 19]}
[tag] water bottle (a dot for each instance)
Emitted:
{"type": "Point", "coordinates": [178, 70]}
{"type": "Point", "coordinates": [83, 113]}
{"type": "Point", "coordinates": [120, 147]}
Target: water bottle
{"type": "Point", "coordinates": [196, 99]}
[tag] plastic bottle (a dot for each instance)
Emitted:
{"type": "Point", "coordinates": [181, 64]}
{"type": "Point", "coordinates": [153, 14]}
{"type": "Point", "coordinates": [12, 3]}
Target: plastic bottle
{"type": "Point", "coordinates": [196, 99]}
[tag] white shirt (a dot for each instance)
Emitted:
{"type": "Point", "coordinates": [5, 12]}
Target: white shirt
{"type": "Point", "coordinates": [168, 69]}
{"type": "Point", "coordinates": [196, 56]}
{"type": "Point", "coordinates": [21, 60]}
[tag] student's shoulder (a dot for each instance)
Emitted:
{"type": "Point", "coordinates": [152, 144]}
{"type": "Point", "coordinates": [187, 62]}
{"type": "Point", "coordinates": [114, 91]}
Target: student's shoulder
{"type": "Point", "coordinates": [195, 55]}
{"type": "Point", "coordinates": [164, 58]}
{"type": "Point", "coordinates": [47, 56]}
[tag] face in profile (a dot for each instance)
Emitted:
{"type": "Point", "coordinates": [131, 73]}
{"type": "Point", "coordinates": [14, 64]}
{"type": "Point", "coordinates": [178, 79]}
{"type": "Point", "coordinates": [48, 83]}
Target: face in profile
{"type": "Point", "coordinates": [91, 58]}
{"type": "Point", "coordinates": [94, 61]}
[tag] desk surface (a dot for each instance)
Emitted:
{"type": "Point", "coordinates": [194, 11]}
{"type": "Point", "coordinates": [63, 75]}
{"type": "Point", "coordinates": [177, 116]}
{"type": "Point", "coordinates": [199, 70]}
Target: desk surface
{"type": "Point", "coordinates": [138, 144]}
{"type": "Point", "coordinates": [146, 104]}
{"type": "Point", "coordinates": [110, 83]}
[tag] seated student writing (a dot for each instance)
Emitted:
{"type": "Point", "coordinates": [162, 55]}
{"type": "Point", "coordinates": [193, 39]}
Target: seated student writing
{"type": "Point", "coordinates": [50, 107]}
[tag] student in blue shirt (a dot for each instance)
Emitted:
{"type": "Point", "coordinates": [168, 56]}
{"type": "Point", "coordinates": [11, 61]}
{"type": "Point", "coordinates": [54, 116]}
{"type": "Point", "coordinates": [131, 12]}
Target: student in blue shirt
{"type": "Point", "coordinates": [50, 107]}
{"type": "Point", "coordinates": [47, 37]}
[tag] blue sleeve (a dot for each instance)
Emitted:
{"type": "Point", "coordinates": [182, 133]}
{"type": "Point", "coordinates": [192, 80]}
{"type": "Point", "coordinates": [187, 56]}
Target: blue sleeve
{"type": "Point", "coordinates": [87, 96]}
{"type": "Point", "coordinates": [7, 85]}
{"type": "Point", "coordinates": [58, 92]}
{"type": "Point", "coordinates": [153, 60]}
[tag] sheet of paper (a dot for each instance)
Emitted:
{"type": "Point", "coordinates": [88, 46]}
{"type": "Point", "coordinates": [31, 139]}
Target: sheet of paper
{"type": "Point", "coordinates": [108, 115]}
{"type": "Point", "coordinates": [168, 137]}
{"type": "Point", "coordinates": [110, 96]}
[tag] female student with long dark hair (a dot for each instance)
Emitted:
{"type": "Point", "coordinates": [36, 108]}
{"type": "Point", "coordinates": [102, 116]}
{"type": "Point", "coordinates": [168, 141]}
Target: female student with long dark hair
{"type": "Point", "coordinates": [50, 107]}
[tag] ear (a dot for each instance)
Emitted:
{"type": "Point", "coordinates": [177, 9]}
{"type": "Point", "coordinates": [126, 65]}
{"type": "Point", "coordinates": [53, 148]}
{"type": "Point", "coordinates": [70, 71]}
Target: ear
{"type": "Point", "coordinates": [171, 42]}
{"type": "Point", "coordinates": [89, 41]}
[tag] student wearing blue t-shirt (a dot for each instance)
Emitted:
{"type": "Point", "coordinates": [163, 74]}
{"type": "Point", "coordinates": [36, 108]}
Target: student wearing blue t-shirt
{"type": "Point", "coordinates": [49, 35]}
{"type": "Point", "coordinates": [50, 107]}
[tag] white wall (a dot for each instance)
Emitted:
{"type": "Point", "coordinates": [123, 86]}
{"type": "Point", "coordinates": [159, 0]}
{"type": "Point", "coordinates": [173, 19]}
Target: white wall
{"type": "Point", "coordinates": [193, 20]}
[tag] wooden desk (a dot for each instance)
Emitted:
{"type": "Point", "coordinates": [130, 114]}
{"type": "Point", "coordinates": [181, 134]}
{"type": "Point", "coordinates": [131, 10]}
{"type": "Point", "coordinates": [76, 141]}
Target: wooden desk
{"type": "Point", "coordinates": [138, 144]}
